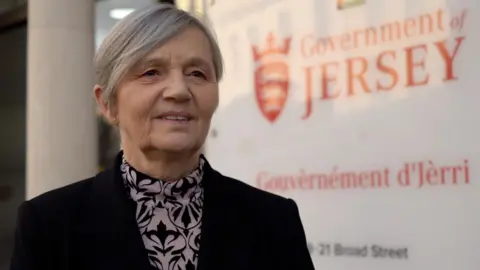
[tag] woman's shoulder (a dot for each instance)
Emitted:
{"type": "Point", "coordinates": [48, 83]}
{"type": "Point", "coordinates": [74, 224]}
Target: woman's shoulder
{"type": "Point", "coordinates": [239, 192]}
{"type": "Point", "coordinates": [63, 195]}
{"type": "Point", "coordinates": [55, 203]}
{"type": "Point", "coordinates": [266, 209]}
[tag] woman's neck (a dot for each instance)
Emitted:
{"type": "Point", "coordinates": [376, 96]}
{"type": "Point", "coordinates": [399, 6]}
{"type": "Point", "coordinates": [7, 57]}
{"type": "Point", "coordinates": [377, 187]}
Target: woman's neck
{"type": "Point", "coordinates": [164, 166]}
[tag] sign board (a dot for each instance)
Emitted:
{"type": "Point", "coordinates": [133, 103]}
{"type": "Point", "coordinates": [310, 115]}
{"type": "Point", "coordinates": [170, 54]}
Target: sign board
{"type": "Point", "coordinates": [363, 112]}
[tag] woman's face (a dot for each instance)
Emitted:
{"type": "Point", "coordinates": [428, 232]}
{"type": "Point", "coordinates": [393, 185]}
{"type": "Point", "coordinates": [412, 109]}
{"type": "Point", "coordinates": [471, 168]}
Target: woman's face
{"type": "Point", "coordinates": [168, 99]}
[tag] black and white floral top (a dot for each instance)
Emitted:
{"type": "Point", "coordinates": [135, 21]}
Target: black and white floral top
{"type": "Point", "coordinates": [169, 216]}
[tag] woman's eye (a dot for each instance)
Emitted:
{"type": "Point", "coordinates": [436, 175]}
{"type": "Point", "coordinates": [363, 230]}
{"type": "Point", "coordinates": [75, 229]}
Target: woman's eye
{"type": "Point", "coordinates": [199, 74]}
{"type": "Point", "coordinates": [151, 73]}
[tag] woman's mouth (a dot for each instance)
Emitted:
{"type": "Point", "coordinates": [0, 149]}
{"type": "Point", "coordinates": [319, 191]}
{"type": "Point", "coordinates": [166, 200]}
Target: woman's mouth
{"type": "Point", "coordinates": [175, 118]}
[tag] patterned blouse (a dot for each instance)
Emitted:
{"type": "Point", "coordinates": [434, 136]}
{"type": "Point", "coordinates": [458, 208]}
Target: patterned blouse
{"type": "Point", "coordinates": [168, 216]}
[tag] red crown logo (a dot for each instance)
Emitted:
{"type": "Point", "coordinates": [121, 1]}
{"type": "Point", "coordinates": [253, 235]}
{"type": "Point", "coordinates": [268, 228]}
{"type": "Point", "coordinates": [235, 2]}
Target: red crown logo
{"type": "Point", "coordinates": [272, 48]}
{"type": "Point", "coordinates": [271, 77]}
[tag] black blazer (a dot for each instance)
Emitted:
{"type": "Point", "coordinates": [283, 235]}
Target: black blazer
{"type": "Point", "coordinates": [91, 225]}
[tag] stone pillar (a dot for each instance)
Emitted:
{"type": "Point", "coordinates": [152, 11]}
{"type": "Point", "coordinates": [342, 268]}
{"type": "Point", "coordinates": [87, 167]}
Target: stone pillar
{"type": "Point", "coordinates": [62, 142]}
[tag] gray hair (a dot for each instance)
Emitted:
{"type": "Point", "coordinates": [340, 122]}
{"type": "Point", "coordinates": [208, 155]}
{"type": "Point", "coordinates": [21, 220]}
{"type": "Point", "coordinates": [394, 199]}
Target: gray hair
{"type": "Point", "coordinates": [135, 36]}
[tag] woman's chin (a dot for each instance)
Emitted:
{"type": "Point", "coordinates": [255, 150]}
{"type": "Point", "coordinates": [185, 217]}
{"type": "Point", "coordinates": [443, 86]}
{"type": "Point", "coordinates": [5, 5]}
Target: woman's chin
{"type": "Point", "coordinates": [175, 145]}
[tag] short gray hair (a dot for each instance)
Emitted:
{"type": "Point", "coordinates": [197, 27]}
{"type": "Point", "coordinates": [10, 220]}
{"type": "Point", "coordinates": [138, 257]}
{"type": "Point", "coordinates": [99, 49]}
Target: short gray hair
{"type": "Point", "coordinates": [138, 34]}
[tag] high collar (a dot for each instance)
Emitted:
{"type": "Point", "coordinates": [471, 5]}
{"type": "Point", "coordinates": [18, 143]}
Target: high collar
{"type": "Point", "coordinates": [142, 187]}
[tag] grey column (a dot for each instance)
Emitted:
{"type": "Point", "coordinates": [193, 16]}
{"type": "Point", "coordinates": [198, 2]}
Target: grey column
{"type": "Point", "coordinates": [62, 141]}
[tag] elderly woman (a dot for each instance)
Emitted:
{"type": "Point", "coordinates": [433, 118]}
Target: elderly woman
{"type": "Point", "coordinates": [161, 206]}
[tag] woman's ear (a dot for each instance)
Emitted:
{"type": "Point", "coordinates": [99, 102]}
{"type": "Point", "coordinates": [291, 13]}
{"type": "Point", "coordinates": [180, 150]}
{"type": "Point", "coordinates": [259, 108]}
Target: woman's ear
{"type": "Point", "coordinates": [103, 105]}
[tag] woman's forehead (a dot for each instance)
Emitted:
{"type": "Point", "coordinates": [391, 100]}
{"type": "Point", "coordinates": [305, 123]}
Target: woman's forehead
{"type": "Point", "coordinates": [191, 47]}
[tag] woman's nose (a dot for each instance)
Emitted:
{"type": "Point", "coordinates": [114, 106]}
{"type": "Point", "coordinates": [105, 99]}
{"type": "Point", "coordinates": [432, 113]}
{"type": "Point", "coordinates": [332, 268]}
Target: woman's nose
{"type": "Point", "coordinates": [177, 89]}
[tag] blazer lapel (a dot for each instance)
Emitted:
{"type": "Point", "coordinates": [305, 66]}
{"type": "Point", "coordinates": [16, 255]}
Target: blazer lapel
{"type": "Point", "coordinates": [117, 243]}
{"type": "Point", "coordinates": [225, 242]}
